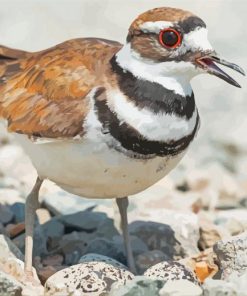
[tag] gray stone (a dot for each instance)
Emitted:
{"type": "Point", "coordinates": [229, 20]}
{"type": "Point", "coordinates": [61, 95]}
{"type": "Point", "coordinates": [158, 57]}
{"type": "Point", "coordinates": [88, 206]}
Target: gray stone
{"type": "Point", "coordinates": [218, 288]}
{"type": "Point", "coordinates": [2, 229]}
{"type": "Point", "coordinates": [232, 255]}
{"type": "Point", "coordinates": [8, 250]}
{"type": "Point", "coordinates": [157, 236]}
{"type": "Point", "coordinates": [6, 215]}
{"type": "Point", "coordinates": [53, 231]}
{"type": "Point", "coordinates": [92, 257]}
{"type": "Point", "coordinates": [53, 228]}
{"type": "Point", "coordinates": [170, 270]}
{"type": "Point", "coordinates": [234, 286]}
{"type": "Point", "coordinates": [9, 286]}
{"type": "Point", "coordinates": [140, 285]}
{"type": "Point", "coordinates": [107, 229]}
{"type": "Point", "coordinates": [39, 241]}
{"type": "Point", "coordinates": [240, 282]}
{"type": "Point", "coordinates": [235, 226]}
{"type": "Point", "coordinates": [107, 248]}
{"type": "Point", "coordinates": [243, 202]}
{"type": "Point", "coordinates": [137, 245]}
{"type": "Point", "coordinates": [74, 245]}
{"type": "Point", "coordinates": [83, 221]}
{"type": "Point", "coordinates": [148, 259]}
{"type": "Point", "coordinates": [180, 288]}
{"type": "Point", "coordinates": [87, 278]}
{"type": "Point", "coordinates": [18, 209]}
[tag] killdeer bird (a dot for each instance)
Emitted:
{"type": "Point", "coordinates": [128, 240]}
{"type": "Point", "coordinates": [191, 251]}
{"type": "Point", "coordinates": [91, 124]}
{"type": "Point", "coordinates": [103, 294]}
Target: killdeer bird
{"type": "Point", "coordinates": [106, 120]}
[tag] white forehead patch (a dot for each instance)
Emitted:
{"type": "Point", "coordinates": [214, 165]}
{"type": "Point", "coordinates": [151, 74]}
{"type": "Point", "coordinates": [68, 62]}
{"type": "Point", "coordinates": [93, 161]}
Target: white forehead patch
{"type": "Point", "coordinates": [197, 39]}
{"type": "Point", "coordinates": [155, 27]}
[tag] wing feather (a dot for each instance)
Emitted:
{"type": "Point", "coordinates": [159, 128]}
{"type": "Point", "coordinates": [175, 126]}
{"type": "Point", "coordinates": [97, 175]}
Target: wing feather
{"type": "Point", "coordinates": [45, 94]}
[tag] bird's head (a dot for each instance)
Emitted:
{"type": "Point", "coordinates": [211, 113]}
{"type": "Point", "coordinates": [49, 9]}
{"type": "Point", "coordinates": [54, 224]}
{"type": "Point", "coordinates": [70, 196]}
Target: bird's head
{"type": "Point", "coordinates": [174, 42]}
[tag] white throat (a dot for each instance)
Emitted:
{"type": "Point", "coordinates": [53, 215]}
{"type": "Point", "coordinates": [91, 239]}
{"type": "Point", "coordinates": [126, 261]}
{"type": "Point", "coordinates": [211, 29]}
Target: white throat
{"type": "Point", "coordinates": [172, 75]}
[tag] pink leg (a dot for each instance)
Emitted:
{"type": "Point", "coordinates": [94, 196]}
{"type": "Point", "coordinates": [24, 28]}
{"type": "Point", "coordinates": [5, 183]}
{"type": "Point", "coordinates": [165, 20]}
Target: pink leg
{"type": "Point", "coordinates": [32, 204]}
{"type": "Point", "coordinates": [122, 206]}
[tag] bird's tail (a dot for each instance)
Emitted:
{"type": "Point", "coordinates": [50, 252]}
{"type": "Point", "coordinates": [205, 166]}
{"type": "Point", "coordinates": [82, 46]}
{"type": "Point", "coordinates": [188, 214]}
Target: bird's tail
{"type": "Point", "coordinates": [9, 61]}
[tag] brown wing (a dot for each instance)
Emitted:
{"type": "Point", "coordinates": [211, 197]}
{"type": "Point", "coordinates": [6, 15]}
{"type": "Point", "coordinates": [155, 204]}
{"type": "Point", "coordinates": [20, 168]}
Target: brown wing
{"type": "Point", "coordinates": [45, 94]}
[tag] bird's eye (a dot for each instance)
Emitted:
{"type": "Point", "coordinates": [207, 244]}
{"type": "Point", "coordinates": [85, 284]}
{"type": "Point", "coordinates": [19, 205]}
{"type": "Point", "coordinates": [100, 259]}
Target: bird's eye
{"type": "Point", "coordinates": [170, 38]}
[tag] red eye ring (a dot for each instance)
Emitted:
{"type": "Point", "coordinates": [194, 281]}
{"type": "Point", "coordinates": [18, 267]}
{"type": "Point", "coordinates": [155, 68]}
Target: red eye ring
{"type": "Point", "coordinates": [170, 30]}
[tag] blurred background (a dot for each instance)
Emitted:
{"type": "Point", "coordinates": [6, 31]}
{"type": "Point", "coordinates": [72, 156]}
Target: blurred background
{"type": "Point", "coordinates": [203, 200]}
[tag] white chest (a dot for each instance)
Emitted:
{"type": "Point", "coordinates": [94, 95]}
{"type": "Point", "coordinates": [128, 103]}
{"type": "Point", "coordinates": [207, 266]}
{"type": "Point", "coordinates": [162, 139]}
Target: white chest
{"type": "Point", "coordinates": [91, 169]}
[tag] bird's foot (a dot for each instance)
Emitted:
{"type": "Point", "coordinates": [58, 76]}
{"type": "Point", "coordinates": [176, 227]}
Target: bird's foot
{"type": "Point", "coordinates": [29, 278]}
{"type": "Point", "coordinates": [32, 285]}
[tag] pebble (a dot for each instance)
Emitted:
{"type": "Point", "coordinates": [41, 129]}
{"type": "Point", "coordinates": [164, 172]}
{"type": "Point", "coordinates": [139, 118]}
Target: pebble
{"type": "Point", "coordinates": [209, 235]}
{"type": "Point", "coordinates": [220, 287]}
{"type": "Point", "coordinates": [232, 255]}
{"type": "Point", "coordinates": [8, 250]}
{"type": "Point", "coordinates": [14, 230]}
{"type": "Point", "coordinates": [243, 202]}
{"type": "Point", "coordinates": [157, 236]}
{"type": "Point", "coordinates": [203, 264]}
{"type": "Point", "coordinates": [207, 180]}
{"type": "Point", "coordinates": [180, 288]}
{"type": "Point", "coordinates": [184, 226]}
{"type": "Point", "coordinates": [47, 271]}
{"type": "Point", "coordinates": [6, 215]}
{"type": "Point", "coordinates": [170, 270]}
{"type": "Point", "coordinates": [43, 215]}
{"type": "Point", "coordinates": [235, 221]}
{"type": "Point", "coordinates": [140, 285]}
{"type": "Point", "coordinates": [15, 268]}
{"type": "Point", "coordinates": [11, 183]}
{"type": "Point", "coordinates": [18, 208]}
{"type": "Point", "coordinates": [93, 257]}
{"type": "Point", "coordinates": [107, 248]}
{"type": "Point", "coordinates": [88, 278]}
{"type": "Point", "coordinates": [234, 226]}
{"type": "Point", "coordinates": [53, 260]}
{"type": "Point", "coordinates": [137, 245]}
{"type": "Point", "coordinates": [9, 286]}
{"type": "Point", "coordinates": [83, 221]}
{"type": "Point", "coordinates": [107, 229]}
{"type": "Point", "coordinates": [70, 204]}
{"type": "Point", "coordinates": [2, 229]}
{"type": "Point", "coordinates": [148, 259]}
{"type": "Point", "coordinates": [239, 214]}
{"type": "Point", "coordinates": [73, 246]}
{"type": "Point", "coordinates": [53, 228]}
{"type": "Point", "coordinates": [39, 241]}
{"type": "Point", "coordinates": [10, 196]}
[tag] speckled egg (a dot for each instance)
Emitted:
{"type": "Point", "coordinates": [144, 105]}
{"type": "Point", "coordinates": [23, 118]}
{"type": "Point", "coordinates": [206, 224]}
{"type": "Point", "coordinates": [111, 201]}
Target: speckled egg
{"type": "Point", "coordinates": [170, 270]}
{"type": "Point", "coordinates": [93, 276]}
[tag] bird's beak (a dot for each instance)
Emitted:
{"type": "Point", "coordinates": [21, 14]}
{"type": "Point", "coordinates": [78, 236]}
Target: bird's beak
{"type": "Point", "coordinates": [208, 63]}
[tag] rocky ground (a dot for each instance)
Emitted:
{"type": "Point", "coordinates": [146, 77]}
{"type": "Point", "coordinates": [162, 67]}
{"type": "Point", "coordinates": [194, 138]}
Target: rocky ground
{"type": "Point", "coordinates": [188, 232]}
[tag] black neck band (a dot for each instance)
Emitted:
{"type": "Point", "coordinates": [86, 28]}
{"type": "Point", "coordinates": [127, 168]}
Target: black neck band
{"type": "Point", "coordinates": [152, 95]}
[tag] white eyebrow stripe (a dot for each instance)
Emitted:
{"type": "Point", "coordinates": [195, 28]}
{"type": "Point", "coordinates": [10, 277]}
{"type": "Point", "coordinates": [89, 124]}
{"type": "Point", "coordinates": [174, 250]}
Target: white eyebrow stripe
{"type": "Point", "coordinates": [155, 27]}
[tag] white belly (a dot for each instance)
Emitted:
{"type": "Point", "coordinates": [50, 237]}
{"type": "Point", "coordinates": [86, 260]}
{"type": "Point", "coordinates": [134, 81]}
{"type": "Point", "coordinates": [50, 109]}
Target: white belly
{"type": "Point", "coordinates": [93, 170]}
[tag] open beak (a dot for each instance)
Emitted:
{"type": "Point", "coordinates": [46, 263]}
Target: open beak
{"type": "Point", "coordinates": [208, 63]}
